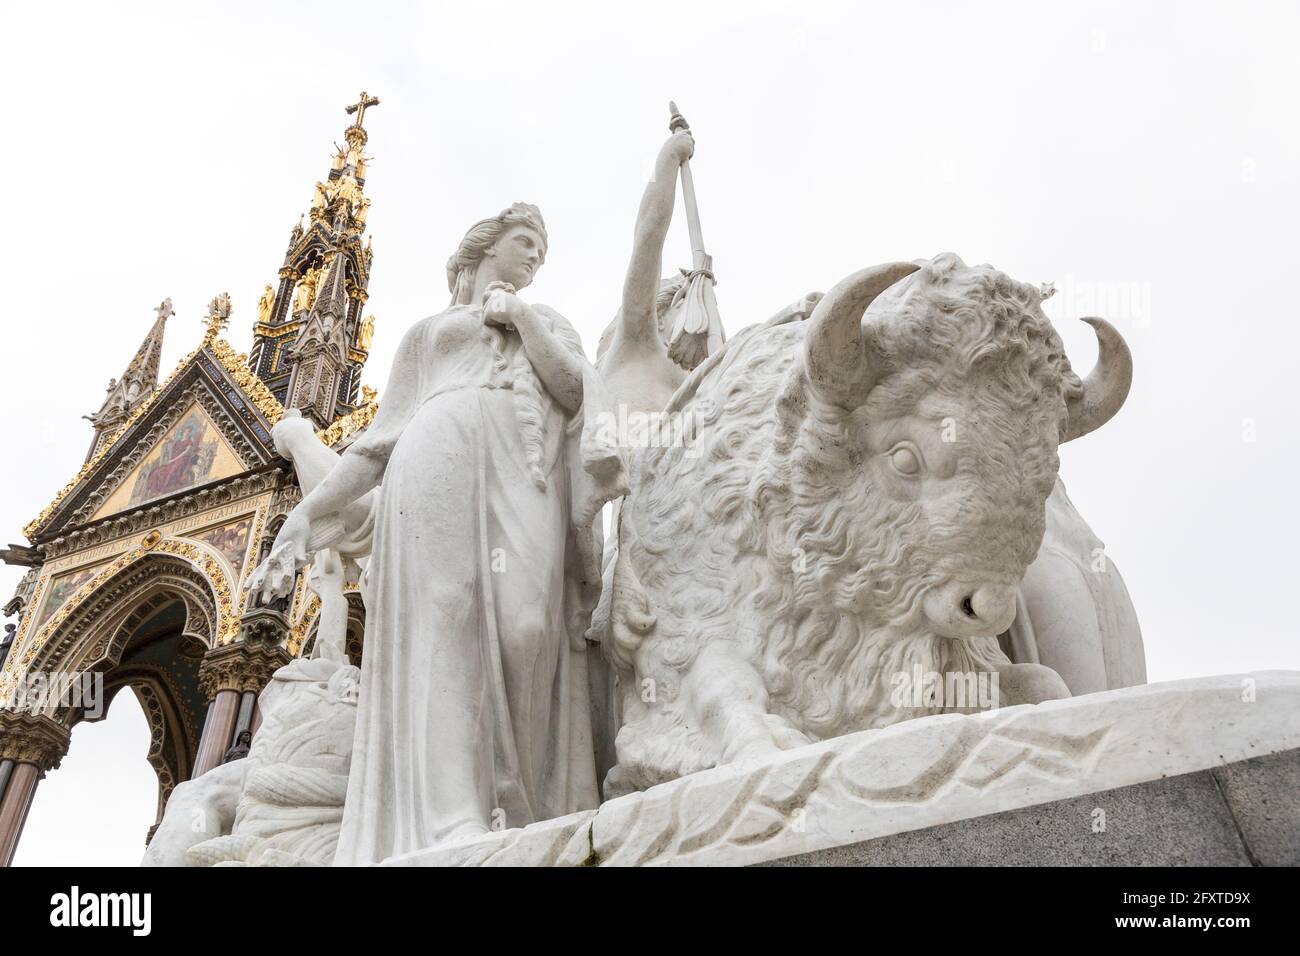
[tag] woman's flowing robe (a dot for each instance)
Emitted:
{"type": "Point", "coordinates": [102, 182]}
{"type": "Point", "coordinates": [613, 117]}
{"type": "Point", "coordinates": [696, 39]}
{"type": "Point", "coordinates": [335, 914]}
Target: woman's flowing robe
{"type": "Point", "coordinates": [474, 702]}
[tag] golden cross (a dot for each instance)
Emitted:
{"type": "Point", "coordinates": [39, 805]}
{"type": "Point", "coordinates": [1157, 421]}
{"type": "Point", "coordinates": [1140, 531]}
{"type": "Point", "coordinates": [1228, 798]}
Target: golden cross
{"type": "Point", "coordinates": [359, 107]}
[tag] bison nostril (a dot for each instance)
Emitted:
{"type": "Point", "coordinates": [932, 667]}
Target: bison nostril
{"type": "Point", "coordinates": [967, 608]}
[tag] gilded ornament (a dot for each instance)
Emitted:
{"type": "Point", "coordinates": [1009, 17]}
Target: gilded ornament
{"type": "Point", "coordinates": [265, 305]}
{"type": "Point", "coordinates": [261, 397]}
{"type": "Point", "coordinates": [351, 423]}
{"type": "Point", "coordinates": [204, 560]}
{"type": "Point", "coordinates": [219, 310]}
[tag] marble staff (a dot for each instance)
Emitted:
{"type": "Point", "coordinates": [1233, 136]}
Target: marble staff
{"type": "Point", "coordinates": [698, 330]}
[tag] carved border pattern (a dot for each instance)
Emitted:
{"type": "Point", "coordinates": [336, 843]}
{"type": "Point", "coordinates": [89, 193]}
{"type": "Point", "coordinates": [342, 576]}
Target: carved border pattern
{"type": "Point", "coordinates": [32, 738]}
{"type": "Point", "coordinates": [199, 392]}
{"type": "Point", "coordinates": [22, 598]}
{"type": "Point", "coordinates": [257, 508]}
{"type": "Point", "coordinates": [349, 424]}
{"type": "Point", "coordinates": [284, 501]}
{"type": "Point", "coordinates": [242, 668]}
{"type": "Point", "coordinates": [230, 360]}
{"type": "Point", "coordinates": [203, 559]}
{"type": "Point", "coordinates": [152, 516]}
{"type": "Point", "coordinates": [117, 612]}
{"type": "Point", "coordinates": [300, 630]}
{"type": "Point", "coordinates": [236, 363]}
{"type": "Point", "coordinates": [168, 773]}
{"type": "Point", "coordinates": [251, 553]}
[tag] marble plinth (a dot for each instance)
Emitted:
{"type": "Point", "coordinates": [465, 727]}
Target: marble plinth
{"type": "Point", "coordinates": [924, 773]}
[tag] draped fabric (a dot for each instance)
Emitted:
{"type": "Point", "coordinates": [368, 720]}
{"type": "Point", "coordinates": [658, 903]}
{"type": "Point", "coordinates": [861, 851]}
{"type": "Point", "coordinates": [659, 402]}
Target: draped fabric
{"type": "Point", "coordinates": [474, 701]}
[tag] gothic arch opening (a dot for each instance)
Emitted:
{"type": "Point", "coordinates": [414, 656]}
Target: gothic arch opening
{"type": "Point", "coordinates": [95, 631]}
{"type": "Point", "coordinates": [145, 628]}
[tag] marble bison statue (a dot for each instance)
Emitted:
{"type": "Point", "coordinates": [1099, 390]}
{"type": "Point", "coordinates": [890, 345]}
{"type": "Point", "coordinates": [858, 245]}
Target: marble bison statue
{"type": "Point", "coordinates": [859, 497]}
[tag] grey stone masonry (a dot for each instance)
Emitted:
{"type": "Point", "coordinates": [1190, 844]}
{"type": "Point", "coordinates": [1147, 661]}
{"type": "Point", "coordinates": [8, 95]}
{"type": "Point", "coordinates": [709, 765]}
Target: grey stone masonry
{"type": "Point", "coordinates": [1239, 814]}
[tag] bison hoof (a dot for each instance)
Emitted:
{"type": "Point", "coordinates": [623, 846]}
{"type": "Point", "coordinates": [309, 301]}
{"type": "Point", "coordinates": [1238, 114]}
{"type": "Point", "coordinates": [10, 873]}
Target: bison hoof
{"type": "Point", "coordinates": [762, 738]}
{"type": "Point", "coordinates": [1029, 684]}
{"type": "Point", "coordinates": [783, 735]}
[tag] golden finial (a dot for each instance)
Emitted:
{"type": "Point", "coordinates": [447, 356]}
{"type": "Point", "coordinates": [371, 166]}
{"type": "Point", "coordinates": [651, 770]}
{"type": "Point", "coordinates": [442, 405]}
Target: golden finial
{"type": "Point", "coordinates": [368, 394]}
{"type": "Point", "coordinates": [359, 107]}
{"type": "Point", "coordinates": [218, 316]}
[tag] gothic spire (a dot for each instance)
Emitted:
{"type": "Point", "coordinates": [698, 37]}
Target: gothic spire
{"type": "Point", "coordinates": [323, 281]}
{"type": "Point", "coordinates": [137, 383]}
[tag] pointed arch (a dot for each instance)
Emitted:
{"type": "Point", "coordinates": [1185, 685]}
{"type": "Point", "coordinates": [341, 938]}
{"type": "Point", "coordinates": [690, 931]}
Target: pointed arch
{"type": "Point", "coordinates": [173, 734]}
{"type": "Point", "coordinates": [91, 630]}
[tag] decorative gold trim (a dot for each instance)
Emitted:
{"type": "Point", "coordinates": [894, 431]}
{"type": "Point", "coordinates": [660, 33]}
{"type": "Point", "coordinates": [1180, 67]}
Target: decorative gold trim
{"type": "Point", "coordinates": [230, 360]}
{"type": "Point", "coordinates": [218, 317]}
{"type": "Point", "coordinates": [349, 424]}
{"type": "Point", "coordinates": [255, 532]}
{"type": "Point", "coordinates": [200, 555]}
{"type": "Point", "coordinates": [236, 364]}
{"type": "Point", "coordinates": [108, 443]}
{"type": "Point", "coordinates": [298, 632]}
{"type": "Point", "coordinates": [276, 331]}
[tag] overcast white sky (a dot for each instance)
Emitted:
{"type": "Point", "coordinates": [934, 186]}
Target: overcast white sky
{"type": "Point", "coordinates": [1145, 157]}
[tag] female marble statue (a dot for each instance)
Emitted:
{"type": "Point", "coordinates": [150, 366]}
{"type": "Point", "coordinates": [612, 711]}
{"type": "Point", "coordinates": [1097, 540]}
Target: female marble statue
{"type": "Point", "coordinates": [473, 711]}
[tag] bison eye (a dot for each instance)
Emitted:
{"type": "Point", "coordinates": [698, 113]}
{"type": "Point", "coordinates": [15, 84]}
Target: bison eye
{"type": "Point", "coordinates": [905, 461]}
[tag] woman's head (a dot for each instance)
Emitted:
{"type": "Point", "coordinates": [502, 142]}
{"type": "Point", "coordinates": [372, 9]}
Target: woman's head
{"type": "Point", "coordinates": [510, 247]}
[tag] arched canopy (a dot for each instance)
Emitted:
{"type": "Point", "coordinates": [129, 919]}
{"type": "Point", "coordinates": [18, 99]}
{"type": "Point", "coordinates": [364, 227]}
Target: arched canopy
{"type": "Point", "coordinates": [91, 631]}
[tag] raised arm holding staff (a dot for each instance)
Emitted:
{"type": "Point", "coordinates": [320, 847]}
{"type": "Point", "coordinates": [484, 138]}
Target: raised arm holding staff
{"type": "Point", "coordinates": [697, 331]}
{"type": "Point", "coordinates": [633, 353]}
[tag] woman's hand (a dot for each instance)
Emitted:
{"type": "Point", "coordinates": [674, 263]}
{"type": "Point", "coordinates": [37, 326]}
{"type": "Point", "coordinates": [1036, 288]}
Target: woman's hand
{"type": "Point", "coordinates": [501, 307]}
{"type": "Point", "coordinates": [679, 148]}
{"type": "Point", "coordinates": [274, 577]}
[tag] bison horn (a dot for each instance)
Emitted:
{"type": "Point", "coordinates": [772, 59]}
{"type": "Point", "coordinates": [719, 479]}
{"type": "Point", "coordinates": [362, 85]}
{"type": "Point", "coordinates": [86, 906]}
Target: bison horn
{"type": "Point", "coordinates": [1106, 386]}
{"type": "Point", "coordinates": [838, 355]}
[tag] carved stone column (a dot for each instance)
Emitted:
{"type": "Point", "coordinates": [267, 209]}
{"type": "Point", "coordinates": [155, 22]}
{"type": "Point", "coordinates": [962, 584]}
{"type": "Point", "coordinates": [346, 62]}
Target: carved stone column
{"type": "Point", "coordinates": [30, 745]}
{"type": "Point", "coordinates": [232, 677]}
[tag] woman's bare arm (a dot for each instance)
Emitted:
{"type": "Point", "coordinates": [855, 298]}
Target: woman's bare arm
{"type": "Point", "coordinates": [347, 481]}
{"type": "Point", "coordinates": [558, 368]}
{"type": "Point", "coordinates": [653, 218]}
{"type": "Point", "coordinates": [362, 467]}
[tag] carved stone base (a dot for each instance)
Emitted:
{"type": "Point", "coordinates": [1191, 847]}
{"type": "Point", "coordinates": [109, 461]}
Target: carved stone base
{"type": "Point", "coordinates": [914, 775]}
{"type": "Point", "coordinates": [1241, 814]}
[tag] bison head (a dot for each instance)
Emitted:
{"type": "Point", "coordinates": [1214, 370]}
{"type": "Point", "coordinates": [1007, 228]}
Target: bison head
{"type": "Point", "coordinates": [942, 392]}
